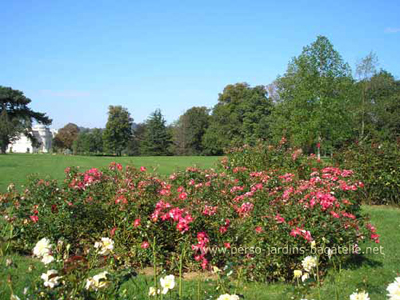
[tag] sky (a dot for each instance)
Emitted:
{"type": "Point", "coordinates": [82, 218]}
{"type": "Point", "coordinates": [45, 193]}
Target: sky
{"type": "Point", "coordinates": [75, 58]}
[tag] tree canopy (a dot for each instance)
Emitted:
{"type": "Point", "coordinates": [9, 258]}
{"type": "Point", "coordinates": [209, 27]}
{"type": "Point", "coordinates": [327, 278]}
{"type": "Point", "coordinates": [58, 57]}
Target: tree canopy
{"type": "Point", "coordinates": [65, 137]}
{"type": "Point", "coordinates": [383, 97]}
{"type": "Point", "coordinates": [189, 131]}
{"type": "Point", "coordinates": [118, 130]}
{"type": "Point", "coordinates": [240, 116]}
{"type": "Point", "coordinates": [314, 97]}
{"type": "Point", "coordinates": [89, 142]}
{"type": "Point", "coordinates": [157, 138]}
{"type": "Point", "coordinates": [16, 117]}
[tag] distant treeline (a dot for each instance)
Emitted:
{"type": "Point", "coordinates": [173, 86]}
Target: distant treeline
{"type": "Point", "coordinates": [317, 103]}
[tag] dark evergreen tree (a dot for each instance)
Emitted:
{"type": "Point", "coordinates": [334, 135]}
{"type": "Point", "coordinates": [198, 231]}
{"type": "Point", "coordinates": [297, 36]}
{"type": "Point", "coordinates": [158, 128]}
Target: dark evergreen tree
{"type": "Point", "coordinates": [157, 139]}
{"type": "Point", "coordinates": [16, 117]}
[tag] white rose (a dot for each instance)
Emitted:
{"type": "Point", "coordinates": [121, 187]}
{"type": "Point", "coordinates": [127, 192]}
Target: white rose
{"type": "Point", "coordinates": [46, 259]}
{"type": "Point", "coordinates": [167, 283]}
{"type": "Point", "coordinates": [105, 246]}
{"type": "Point", "coordinates": [97, 282]}
{"type": "Point", "coordinates": [394, 290]}
{"type": "Point", "coordinates": [305, 277]}
{"type": "Point", "coordinates": [42, 248]}
{"type": "Point", "coordinates": [359, 296]}
{"type": "Point", "coordinates": [309, 263]}
{"type": "Point", "coordinates": [49, 278]}
{"type": "Point", "coordinates": [153, 292]}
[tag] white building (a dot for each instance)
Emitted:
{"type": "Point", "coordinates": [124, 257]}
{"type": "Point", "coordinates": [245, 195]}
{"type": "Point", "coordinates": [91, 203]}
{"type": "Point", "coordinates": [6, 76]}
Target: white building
{"type": "Point", "coordinates": [44, 136]}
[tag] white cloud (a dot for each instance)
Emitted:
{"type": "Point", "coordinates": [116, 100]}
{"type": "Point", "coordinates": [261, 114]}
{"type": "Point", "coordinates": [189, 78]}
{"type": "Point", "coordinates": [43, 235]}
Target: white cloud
{"type": "Point", "coordinates": [392, 29]}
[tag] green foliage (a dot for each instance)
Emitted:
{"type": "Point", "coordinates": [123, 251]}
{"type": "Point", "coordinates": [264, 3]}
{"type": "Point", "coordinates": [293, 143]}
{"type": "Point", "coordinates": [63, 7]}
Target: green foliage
{"type": "Point", "coordinates": [118, 130]}
{"type": "Point", "coordinates": [16, 117]}
{"type": "Point", "coordinates": [240, 116]}
{"type": "Point", "coordinates": [313, 101]}
{"type": "Point", "coordinates": [133, 147]}
{"type": "Point", "coordinates": [66, 137]}
{"type": "Point", "coordinates": [89, 142]}
{"type": "Point", "coordinates": [376, 108]}
{"type": "Point", "coordinates": [264, 156]}
{"type": "Point", "coordinates": [189, 131]}
{"type": "Point", "coordinates": [378, 166]}
{"type": "Point", "coordinates": [157, 138]}
{"type": "Point", "coordinates": [384, 114]}
{"type": "Point", "coordinates": [7, 130]}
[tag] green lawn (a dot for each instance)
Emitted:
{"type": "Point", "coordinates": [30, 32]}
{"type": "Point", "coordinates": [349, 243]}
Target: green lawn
{"type": "Point", "coordinates": [372, 272]}
{"type": "Point", "coordinates": [16, 167]}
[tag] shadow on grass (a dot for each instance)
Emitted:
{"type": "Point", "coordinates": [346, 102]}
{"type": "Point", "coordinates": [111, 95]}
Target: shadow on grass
{"type": "Point", "coordinates": [357, 261]}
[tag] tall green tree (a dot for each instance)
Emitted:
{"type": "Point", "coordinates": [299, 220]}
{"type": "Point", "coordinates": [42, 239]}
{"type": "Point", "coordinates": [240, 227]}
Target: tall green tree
{"type": "Point", "coordinates": [314, 97]}
{"type": "Point", "coordinates": [157, 138]}
{"type": "Point", "coordinates": [384, 99]}
{"type": "Point", "coordinates": [16, 117]}
{"type": "Point", "coordinates": [118, 130]}
{"type": "Point", "coordinates": [189, 130]}
{"type": "Point", "coordinates": [240, 116]}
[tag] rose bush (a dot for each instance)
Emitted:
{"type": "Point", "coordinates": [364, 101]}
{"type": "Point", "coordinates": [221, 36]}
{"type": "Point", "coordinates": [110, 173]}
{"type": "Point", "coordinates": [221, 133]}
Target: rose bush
{"type": "Point", "coordinates": [262, 212]}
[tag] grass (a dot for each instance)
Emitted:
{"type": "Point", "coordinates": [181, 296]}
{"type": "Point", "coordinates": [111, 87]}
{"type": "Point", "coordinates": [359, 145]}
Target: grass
{"type": "Point", "coordinates": [16, 167]}
{"type": "Point", "coordinates": [370, 272]}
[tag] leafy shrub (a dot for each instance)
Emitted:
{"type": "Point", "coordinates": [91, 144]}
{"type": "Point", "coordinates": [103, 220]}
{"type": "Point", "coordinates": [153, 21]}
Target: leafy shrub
{"type": "Point", "coordinates": [247, 215]}
{"type": "Point", "coordinates": [378, 165]}
{"type": "Point", "coordinates": [270, 157]}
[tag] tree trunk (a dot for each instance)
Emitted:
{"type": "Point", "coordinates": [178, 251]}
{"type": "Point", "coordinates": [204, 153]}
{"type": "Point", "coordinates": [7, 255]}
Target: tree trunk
{"type": "Point", "coordinates": [319, 148]}
{"type": "Point", "coordinates": [363, 114]}
{"type": "Point", "coordinates": [3, 149]}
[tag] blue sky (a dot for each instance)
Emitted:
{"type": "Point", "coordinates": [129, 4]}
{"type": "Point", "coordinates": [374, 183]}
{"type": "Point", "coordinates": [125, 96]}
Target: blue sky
{"type": "Point", "coordinates": [75, 58]}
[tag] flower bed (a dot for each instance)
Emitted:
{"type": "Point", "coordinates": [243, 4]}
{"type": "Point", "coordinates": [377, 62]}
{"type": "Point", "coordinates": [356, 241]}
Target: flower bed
{"type": "Point", "coordinates": [260, 220]}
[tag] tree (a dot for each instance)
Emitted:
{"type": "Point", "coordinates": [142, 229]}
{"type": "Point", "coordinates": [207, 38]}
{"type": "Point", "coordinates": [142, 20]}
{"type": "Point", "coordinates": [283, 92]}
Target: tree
{"type": "Point", "coordinates": [16, 117]}
{"type": "Point", "coordinates": [384, 99]}
{"type": "Point", "coordinates": [188, 132]}
{"type": "Point", "coordinates": [240, 116]}
{"type": "Point", "coordinates": [65, 137]}
{"type": "Point", "coordinates": [157, 138]}
{"type": "Point", "coordinates": [314, 96]}
{"type": "Point", "coordinates": [96, 140]}
{"type": "Point", "coordinates": [365, 69]}
{"type": "Point", "coordinates": [134, 145]}
{"type": "Point", "coordinates": [118, 130]}
{"type": "Point", "coordinates": [81, 144]}
{"type": "Point", "coordinates": [89, 141]}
